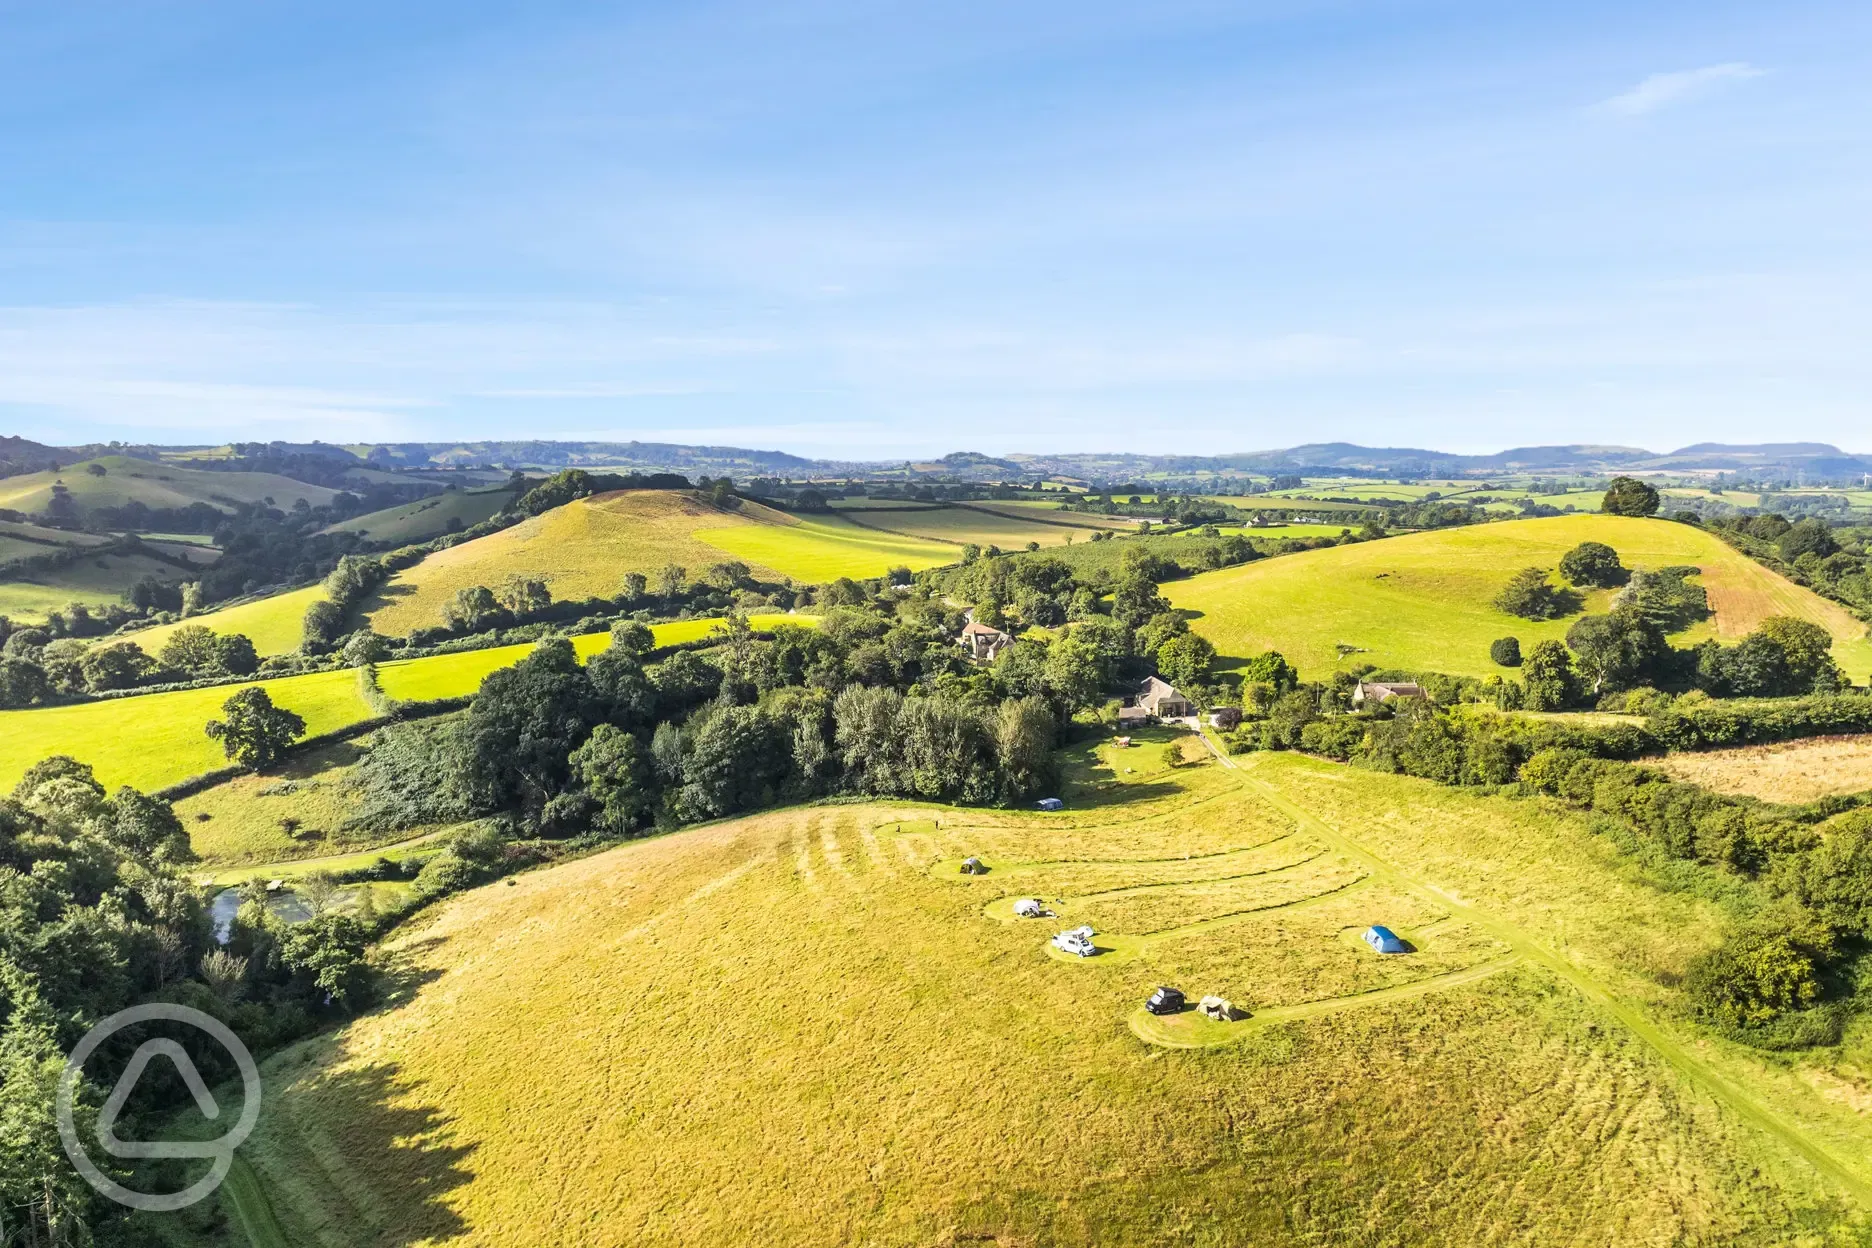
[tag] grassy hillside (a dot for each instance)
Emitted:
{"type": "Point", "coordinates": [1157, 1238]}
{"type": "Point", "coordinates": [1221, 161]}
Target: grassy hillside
{"type": "Point", "coordinates": [981, 524]}
{"type": "Point", "coordinates": [427, 518]}
{"type": "Point", "coordinates": [274, 624]}
{"type": "Point", "coordinates": [805, 1027]}
{"type": "Point", "coordinates": [155, 485]}
{"type": "Point", "coordinates": [585, 547]}
{"type": "Point", "coordinates": [96, 580]}
{"type": "Point", "coordinates": [1422, 600]}
{"type": "Point", "coordinates": [156, 739]}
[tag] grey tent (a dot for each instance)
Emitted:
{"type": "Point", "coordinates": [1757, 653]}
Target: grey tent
{"type": "Point", "coordinates": [973, 866]}
{"type": "Point", "coordinates": [1029, 908]}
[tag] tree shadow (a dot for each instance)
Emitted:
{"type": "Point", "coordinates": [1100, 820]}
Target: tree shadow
{"type": "Point", "coordinates": [313, 763]}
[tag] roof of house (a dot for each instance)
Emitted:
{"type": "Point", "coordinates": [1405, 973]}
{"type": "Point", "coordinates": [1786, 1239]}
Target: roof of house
{"type": "Point", "coordinates": [1389, 688]}
{"type": "Point", "coordinates": [972, 629]}
{"type": "Point", "coordinates": [1156, 687]}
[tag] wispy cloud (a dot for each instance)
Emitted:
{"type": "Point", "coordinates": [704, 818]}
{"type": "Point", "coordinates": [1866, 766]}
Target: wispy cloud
{"type": "Point", "coordinates": [1663, 90]}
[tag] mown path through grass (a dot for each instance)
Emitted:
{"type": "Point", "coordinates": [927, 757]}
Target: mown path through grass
{"type": "Point", "coordinates": [1745, 1106]}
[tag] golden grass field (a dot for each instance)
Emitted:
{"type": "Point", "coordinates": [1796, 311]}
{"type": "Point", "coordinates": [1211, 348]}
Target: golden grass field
{"type": "Point", "coordinates": [274, 624]}
{"type": "Point", "coordinates": [1788, 771]}
{"type": "Point", "coordinates": [805, 1027]}
{"type": "Point", "coordinates": [585, 547]}
{"type": "Point", "coordinates": [1422, 600]}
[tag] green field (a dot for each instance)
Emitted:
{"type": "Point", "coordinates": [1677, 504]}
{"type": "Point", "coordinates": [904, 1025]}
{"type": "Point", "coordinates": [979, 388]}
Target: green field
{"type": "Point", "coordinates": [1422, 600]}
{"type": "Point", "coordinates": [153, 484]}
{"type": "Point", "coordinates": [809, 1017]}
{"type": "Point", "coordinates": [274, 624]}
{"type": "Point", "coordinates": [95, 580]}
{"type": "Point", "coordinates": [156, 739]}
{"type": "Point", "coordinates": [457, 675]}
{"type": "Point", "coordinates": [427, 518]}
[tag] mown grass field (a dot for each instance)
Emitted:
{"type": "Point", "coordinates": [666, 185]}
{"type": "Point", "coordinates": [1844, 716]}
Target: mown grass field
{"type": "Point", "coordinates": [805, 1027]}
{"type": "Point", "coordinates": [274, 624]}
{"type": "Point", "coordinates": [156, 739]}
{"type": "Point", "coordinates": [95, 580]}
{"type": "Point", "coordinates": [1421, 601]}
{"type": "Point", "coordinates": [1788, 771]}
{"type": "Point", "coordinates": [155, 485]}
{"type": "Point", "coordinates": [427, 517]}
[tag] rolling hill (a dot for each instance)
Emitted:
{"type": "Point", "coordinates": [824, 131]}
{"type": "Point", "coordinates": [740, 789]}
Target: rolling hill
{"type": "Point", "coordinates": [1422, 601]}
{"type": "Point", "coordinates": [585, 547]}
{"type": "Point", "coordinates": [96, 580]}
{"type": "Point", "coordinates": [429, 517]}
{"type": "Point", "coordinates": [155, 485]}
{"type": "Point", "coordinates": [806, 1027]}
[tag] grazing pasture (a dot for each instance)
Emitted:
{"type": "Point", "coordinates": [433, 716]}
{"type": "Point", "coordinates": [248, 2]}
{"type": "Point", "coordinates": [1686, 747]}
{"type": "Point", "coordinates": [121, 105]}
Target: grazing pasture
{"type": "Point", "coordinates": [1788, 771]}
{"type": "Point", "coordinates": [274, 623]}
{"type": "Point", "coordinates": [811, 1017]}
{"type": "Point", "coordinates": [1424, 600]}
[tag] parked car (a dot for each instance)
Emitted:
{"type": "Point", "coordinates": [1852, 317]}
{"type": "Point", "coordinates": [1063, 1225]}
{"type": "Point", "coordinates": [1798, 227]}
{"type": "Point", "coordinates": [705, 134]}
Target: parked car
{"type": "Point", "coordinates": [1076, 940]}
{"type": "Point", "coordinates": [1165, 1000]}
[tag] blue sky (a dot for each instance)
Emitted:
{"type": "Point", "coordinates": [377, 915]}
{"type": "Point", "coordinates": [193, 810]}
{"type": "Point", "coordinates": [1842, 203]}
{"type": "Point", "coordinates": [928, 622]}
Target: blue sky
{"type": "Point", "coordinates": [871, 230]}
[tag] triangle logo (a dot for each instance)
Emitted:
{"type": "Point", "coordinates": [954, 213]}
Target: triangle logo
{"type": "Point", "coordinates": [147, 1052]}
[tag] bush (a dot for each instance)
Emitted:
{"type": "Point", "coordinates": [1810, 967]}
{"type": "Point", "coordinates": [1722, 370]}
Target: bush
{"type": "Point", "coordinates": [1505, 651]}
{"type": "Point", "coordinates": [1757, 976]}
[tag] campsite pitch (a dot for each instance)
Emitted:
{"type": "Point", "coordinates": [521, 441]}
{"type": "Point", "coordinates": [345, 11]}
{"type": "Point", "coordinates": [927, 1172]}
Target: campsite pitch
{"type": "Point", "coordinates": [805, 1015]}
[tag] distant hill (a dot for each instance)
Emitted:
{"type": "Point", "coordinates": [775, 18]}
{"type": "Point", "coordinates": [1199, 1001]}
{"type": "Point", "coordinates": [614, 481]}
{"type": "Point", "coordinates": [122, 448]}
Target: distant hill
{"type": "Point", "coordinates": [338, 466]}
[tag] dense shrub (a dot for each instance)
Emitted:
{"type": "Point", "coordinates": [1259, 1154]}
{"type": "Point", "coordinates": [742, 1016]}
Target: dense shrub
{"type": "Point", "coordinates": [1505, 651]}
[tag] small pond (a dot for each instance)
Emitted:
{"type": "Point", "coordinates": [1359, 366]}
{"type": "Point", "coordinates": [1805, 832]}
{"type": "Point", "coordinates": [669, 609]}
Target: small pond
{"type": "Point", "coordinates": [284, 905]}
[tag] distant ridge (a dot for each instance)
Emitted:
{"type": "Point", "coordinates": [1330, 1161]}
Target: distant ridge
{"type": "Point", "coordinates": [1813, 462]}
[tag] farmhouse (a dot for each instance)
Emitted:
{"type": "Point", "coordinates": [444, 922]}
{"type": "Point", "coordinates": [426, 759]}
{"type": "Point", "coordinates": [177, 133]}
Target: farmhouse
{"type": "Point", "coordinates": [1157, 697]}
{"type": "Point", "coordinates": [982, 642]}
{"type": "Point", "coordinates": [1384, 691]}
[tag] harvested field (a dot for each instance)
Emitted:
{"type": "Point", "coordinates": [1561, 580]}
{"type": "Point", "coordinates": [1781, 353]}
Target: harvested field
{"type": "Point", "coordinates": [1788, 771]}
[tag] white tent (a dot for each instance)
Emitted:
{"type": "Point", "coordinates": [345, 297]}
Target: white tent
{"type": "Point", "coordinates": [1029, 908]}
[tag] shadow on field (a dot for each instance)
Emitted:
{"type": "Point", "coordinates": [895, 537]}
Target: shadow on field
{"type": "Point", "coordinates": [402, 972]}
{"type": "Point", "coordinates": [404, 1152]}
